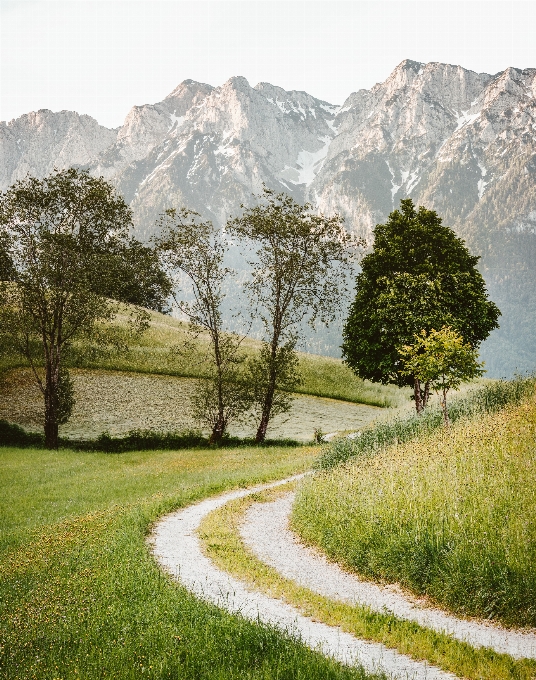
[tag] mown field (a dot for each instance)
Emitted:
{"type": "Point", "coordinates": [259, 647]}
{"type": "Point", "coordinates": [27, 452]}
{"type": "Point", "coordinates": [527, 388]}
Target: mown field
{"type": "Point", "coordinates": [148, 387]}
{"type": "Point", "coordinates": [118, 402]}
{"type": "Point", "coordinates": [82, 597]}
{"type": "Point", "coordinates": [450, 515]}
{"type": "Point", "coordinates": [161, 350]}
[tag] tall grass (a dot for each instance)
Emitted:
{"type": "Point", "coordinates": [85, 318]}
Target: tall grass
{"type": "Point", "coordinates": [221, 541]}
{"type": "Point", "coordinates": [489, 398]}
{"type": "Point", "coordinates": [450, 514]}
{"type": "Point", "coordinates": [81, 595]}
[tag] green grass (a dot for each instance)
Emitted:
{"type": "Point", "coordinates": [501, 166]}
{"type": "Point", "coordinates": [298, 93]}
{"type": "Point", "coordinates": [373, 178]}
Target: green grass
{"type": "Point", "coordinates": [489, 397]}
{"type": "Point", "coordinates": [80, 594]}
{"type": "Point", "coordinates": [221, 541]}
{"type": "Point", "coordinates": [450, 514]}
{"type": "Point", "coordinates": [155, 352]}
{"type": "Point", "coordinates": [328, 377]}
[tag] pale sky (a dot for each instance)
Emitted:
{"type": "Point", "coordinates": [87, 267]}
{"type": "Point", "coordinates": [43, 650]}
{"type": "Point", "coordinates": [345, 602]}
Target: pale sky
{"type": "Point", "coordinates": [101, 57]}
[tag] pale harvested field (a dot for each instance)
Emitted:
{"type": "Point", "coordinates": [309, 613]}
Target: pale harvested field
{"type": "Point", "coordinates": [119, 402]}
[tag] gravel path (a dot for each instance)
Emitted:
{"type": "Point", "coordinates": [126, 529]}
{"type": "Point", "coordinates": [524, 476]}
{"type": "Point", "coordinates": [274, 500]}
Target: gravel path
{"type": "Point", "coordinates": [177, 548]}
{"type": "Point", "coordinates": [266, 532]}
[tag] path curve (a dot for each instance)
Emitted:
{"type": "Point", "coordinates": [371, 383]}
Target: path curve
{"type": "Point", "coordinates": [267, 534]}
{"type": "Point", "coordinates": [177, 548]}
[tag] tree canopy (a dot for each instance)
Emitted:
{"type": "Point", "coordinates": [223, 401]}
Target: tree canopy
{"type": "Point", "coordinates": [442, 360]}
{"type": "Point", "coordinates": [299, 272]}
{"type": "Point", "coordinates": [419, 276]}
{"type": "Point", "coordinates": [192, 252]}
{"type": "Point", "coordinates": [66, 251]}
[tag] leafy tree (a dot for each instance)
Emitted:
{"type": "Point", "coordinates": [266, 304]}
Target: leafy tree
{"type": "Point", "coordinates": [196, 250]}
{"type": "Point", "coordinates": [298, 272]}
{"type": "Point", "coordinates": [7, 271]}
{"type": "Point", "coordinates": [65, 238]}
{"type": "Point", "coordinates": [136, 277]}
{"type": "Point", "coordinates": [419, 275]}
{"type": "Point", "coordinates": [441, 359]}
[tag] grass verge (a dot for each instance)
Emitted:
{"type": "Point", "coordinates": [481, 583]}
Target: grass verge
{"type": "Point", "coordinates": [451, 514]}
{"type": "Point", "coordinates": [135, 440]}
{"type": "Point", "coordinates": [80, 594]}
{"type": "Point", "coordinates": [489, 398]}
{"type": "Point", "coordinates": [222, 543]}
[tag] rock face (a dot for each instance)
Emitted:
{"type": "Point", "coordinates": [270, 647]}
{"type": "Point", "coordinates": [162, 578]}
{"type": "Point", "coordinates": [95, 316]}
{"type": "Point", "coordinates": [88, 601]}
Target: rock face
{"type": "Point", "coordinates": [459, 142]}
{"type": "Point", "coordinates": [447, 137]}
{"type": "Point", "coordinates": [37, 142]}
{"type": "Point", "coordinates": [225, 146]}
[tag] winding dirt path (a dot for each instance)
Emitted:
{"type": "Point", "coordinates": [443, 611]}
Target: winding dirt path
{"type": "Point", "coordinates": [177, 548]}
{"type": "Point", "coordinates": [267, 534]}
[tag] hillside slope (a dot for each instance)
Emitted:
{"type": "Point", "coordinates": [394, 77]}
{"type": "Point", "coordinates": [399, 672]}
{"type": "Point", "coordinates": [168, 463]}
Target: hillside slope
{"type": "Point", "coordinates": [449, 515]}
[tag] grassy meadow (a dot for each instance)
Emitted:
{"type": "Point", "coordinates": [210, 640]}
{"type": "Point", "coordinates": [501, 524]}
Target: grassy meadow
{"type": "Point", "coordinates": [148, 388]}
{"type": "Point", "coordinates": [82, 597]}
{"type": "Point", "coordinates": [161, 351]}
{"type": "Point", "coordinates": [222, 542]}
{"type": "Point", "coordinates": [450, 515]}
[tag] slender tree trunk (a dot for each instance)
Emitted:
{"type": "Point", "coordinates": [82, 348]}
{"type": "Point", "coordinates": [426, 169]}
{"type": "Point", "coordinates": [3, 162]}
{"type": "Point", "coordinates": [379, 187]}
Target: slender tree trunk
{"type": "Point", "coordinates": [219, 427]}
{"type": "Point", "coordinates": [217, 431]}
{"type": "Point", "coordinates": [268, 397]}
{"type": "Point", "coordinates": [445, 410]}
{"type": "Point", "coordinates": [272, 372]}
{"type": "Point", "coordinates": [265, 417]}
{"type": "Point", "coordinates": [426, 395]}
{"type": "Point", "coordinates": [51, 399]}
{"type": "Point", "coordinates": [417, 394]}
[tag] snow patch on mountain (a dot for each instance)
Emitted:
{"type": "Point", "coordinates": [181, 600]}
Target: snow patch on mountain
{"type": "Point", "coordinates": [465, 118]}
{"type": "Point", "coordinates": [310, 162]}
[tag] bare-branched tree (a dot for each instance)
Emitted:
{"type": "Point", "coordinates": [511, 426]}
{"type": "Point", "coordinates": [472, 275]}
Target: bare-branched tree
{"type": "Point", "coordinates": [192, 252]}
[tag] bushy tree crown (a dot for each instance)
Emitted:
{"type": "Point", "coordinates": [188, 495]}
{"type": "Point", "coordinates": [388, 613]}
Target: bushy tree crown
{"type": "Point", "coordinates": [419, 276]}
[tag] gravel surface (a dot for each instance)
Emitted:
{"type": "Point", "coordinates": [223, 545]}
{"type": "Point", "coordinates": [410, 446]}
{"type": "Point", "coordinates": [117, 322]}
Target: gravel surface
{"type": "Point", "coordinates": [177, 548]}
{"type": "Point", "coordinates": [267, 533]}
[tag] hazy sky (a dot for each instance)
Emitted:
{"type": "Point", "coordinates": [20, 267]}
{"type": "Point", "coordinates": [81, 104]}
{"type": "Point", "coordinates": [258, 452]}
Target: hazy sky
{"type": "Point", "coordinates": [102, 56]}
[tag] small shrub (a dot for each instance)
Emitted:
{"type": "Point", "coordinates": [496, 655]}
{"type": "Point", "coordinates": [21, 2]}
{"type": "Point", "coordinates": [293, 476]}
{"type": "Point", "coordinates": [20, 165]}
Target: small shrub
{"type": "Point", "coordinates": [13, 435]}
{"type": "Point", "coordinates": [136, 440]}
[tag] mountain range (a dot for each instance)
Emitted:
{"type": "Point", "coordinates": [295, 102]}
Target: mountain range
{"type": "Point", "coordinates": [459, 142]}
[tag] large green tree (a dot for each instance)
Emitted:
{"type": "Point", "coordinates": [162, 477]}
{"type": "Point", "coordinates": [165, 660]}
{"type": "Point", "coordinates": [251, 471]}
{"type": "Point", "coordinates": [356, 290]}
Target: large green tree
{"type": "Point", "coordinates": [66, 251]}
{"type": "Point", "coordinates": [419, 276]}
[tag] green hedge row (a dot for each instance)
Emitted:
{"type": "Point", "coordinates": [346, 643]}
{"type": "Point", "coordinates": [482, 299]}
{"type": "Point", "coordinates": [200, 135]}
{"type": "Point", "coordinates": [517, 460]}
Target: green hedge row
{"type": "Point", "coordinates": [136, 440]}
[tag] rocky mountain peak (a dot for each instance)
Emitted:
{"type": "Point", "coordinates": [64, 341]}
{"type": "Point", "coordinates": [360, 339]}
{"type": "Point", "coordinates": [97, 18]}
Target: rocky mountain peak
{"type": "Point", "coordinates": [460, 142]}
{"type": "Point", "coordinates": [39, 141]}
